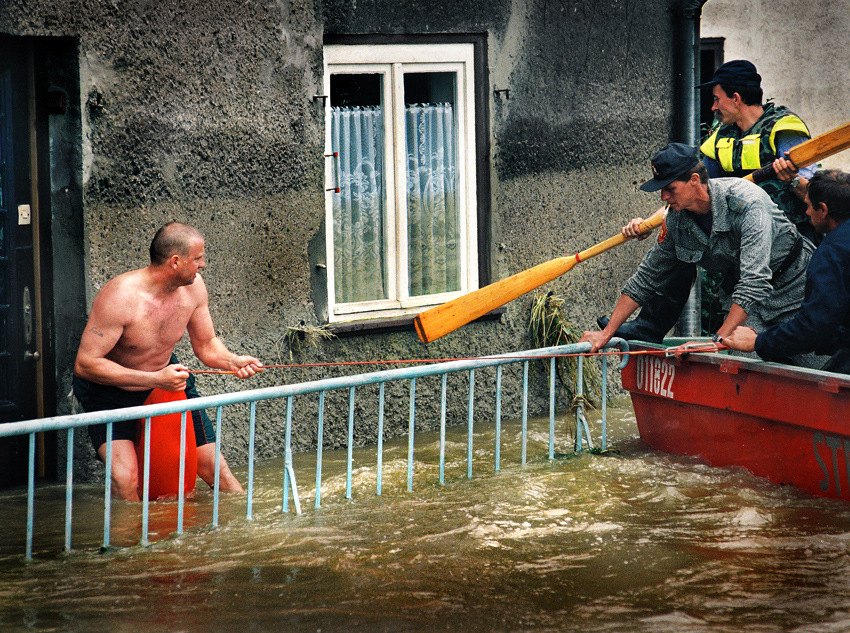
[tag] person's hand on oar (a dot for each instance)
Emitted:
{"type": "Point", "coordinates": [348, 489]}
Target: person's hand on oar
{"type": "Point", "coordinates": [632, 230]}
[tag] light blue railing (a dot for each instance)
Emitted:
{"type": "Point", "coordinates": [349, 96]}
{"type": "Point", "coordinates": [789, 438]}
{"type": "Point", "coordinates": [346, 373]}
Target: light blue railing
{"type": "Point", "coordinates": [70, 422]}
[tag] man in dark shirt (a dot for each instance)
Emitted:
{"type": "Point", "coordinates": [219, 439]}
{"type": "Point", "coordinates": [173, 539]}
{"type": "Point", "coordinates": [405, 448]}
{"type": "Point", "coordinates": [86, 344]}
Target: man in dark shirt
{"type": "Point", "coordinates": [823, 323]}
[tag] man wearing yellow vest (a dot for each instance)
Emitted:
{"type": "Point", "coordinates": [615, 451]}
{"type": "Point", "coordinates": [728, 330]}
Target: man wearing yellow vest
{"type": "Point", "coordinates": [747, 135]}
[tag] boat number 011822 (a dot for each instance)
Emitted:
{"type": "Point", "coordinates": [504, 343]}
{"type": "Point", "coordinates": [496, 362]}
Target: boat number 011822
{"type": "Point", "coordinates": [655, 375]}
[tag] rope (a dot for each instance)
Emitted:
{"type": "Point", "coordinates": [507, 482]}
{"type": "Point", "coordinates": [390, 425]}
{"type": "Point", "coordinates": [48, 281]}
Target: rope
{"type": "Point", "coordinates": [438, 360]}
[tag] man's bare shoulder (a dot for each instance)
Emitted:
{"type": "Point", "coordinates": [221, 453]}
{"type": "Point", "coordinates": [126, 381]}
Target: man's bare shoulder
{"type": "Point", "coordinates": [121, 292]}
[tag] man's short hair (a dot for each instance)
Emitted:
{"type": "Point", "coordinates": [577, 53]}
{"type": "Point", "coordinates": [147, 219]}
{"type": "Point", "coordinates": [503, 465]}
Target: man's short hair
{"type": "Point", "coordinates": [698, 169]}
{"type": "Point", "coordinates": [831, 187]}
{"type": "Point", "coordinates": [172, 238]}
{"type": "Point", "coordinates": [750, 95]}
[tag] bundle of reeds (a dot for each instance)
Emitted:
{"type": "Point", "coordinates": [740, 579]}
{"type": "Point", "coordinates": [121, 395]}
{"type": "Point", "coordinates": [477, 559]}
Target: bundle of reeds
{"type": "Point", "coordinates": [549, 326]}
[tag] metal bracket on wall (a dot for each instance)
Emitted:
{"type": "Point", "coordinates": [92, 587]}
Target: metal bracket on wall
{"type": "Point", "coordinates": [323, 99]}
{"type": "Point", "coordinates": [502, 91]}
{"type": "Point", "coordinates": [335, 166]}
{"type": "Point", "coordinates": [95, 101]}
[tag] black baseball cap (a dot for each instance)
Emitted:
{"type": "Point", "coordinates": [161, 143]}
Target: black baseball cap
{"type": "Point", "coordinates": [738, 72]}
{"type": "Point", "coordinates": [669, 163]}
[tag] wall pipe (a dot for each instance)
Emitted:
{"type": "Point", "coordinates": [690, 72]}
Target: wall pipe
{"type": "Point", "coordinates": [690, 323]}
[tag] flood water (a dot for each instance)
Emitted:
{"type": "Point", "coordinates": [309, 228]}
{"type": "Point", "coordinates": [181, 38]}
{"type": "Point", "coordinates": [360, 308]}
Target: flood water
{"type": "Point", "coordinates": [629, 541]}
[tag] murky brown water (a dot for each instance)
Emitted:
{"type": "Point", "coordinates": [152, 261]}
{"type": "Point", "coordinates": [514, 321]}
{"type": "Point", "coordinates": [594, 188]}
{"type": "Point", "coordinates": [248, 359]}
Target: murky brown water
{"type": "Point", "coordinates": [633, 541]}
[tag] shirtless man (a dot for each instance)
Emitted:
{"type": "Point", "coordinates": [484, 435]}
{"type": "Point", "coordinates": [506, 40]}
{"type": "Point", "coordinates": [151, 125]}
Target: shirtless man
{"type": "Point", "coordinates": [127, 350]}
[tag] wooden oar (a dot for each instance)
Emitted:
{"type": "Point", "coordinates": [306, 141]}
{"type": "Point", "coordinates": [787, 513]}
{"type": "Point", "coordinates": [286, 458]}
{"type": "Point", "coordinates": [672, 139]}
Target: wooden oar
{"type": "Point", "coordinates": [811, 151]}
{"type": "Point", "coordinates": [445, 318]}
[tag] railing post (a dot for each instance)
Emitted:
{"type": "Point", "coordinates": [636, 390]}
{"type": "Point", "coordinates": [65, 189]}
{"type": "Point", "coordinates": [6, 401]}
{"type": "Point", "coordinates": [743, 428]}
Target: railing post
{"type": "Point", "coordinates": [284, 503]}
{"type": "Point", "coordinates": [604, 403]}
{"type": "Point", "coordinates": [107, 486]}
{"type": "Point", "coordinates": [349, 462]}
{"type": "Point", "coordinates": [319, 446]}
{"type": "Point", "coordinates": [410, 429]}
{"type": "Point", "coordinates": [469, 423]}
{"type": "Point", "coordinates": [287, 463]}
{"type": "Point", "coordinates": [498, 449]}
{"type": "Point", "coordinates": [443, 429]}
{"type": "Point", "coordinates": [579, 405]}
{"type": "Point", "coordinates": [380, 438]}
{"type": "Point", "coordinates": [524, 410]}
{"type": "Point", "coordinates": [69, 488]}
{"type": "Point", "coordinates": [252, 431]}
{"type": "Point", "coordinates": [30, 496]}
{"type": "Point", "coordinates": [181, 478]}
{"type": "Point", "coordinates": [146, 482]}
{"type": "Point", "coordinates": [217, 463]}
{"type": "Point", "coordinates": [552, 408]}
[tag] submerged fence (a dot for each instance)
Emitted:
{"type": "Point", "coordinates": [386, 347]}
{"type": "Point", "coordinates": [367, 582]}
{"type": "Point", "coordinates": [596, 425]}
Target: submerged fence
{"type": "Point", "coordinates": [71, 422]}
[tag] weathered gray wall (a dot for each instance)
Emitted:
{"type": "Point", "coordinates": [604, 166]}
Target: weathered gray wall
{"type": "Point", "coordinates": [800, 50]}
{"type": "Point", "coordinates": [202, 112]}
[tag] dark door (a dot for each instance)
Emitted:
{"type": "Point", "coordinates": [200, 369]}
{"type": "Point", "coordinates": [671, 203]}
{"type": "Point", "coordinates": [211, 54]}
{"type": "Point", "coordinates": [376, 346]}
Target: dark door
{"type": "Point", "coordinates": [20, 338]}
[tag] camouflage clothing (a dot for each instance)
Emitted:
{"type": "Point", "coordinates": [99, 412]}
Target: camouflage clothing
{"type": "Point", "coordinates": [740, 152]}
{"type": "Point", "coordinates": [750, 239]}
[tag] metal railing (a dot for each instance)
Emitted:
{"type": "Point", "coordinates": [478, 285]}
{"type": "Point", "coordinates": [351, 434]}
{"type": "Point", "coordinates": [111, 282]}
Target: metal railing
{"type": "Point", "coordinates": [70, 422]}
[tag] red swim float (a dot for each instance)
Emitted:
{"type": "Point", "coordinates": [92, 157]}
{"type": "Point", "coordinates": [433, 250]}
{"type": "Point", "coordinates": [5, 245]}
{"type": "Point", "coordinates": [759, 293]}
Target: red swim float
{"type": "Point", "coordinates": [165, 449]}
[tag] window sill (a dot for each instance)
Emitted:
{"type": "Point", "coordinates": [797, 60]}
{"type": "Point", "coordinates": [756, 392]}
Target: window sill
{"type": "Point", "coordinates": [394, 324]}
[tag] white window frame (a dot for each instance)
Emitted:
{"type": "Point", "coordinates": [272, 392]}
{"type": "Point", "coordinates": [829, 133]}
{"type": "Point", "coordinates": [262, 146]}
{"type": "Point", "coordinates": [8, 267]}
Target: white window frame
{"type": "Point", "coordinates": [392, 61]}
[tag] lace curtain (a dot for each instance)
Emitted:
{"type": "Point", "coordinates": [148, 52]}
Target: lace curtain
{"type": "Point", "coordinates": [432, 204]}
{"type": "Point", "coordinates": [359, 209]}
{"type": "Point", "coordinates": [360, 263]}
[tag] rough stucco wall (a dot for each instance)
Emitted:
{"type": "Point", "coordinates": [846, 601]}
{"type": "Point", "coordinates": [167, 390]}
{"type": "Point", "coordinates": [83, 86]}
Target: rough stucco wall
{"type": "Point", "coordinates": [203, 112]}
{"type": "Point", "coordinates": [200, 112]}
{"type": "Point", "coordinates": [800, 50]}
{"type": "Point", "coordinates": [589, 104]}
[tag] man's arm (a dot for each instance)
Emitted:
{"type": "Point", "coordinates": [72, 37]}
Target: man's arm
{"type": "Point", "coordinates": [757, 230]}
{"type": "Point", "coordinates": [784, 169]}
{"type": "Point", "coordinates": [622, 311]}
{"type": "Point", "coordinates": [737, 316]}
{"type": "Point", "coordinates": [103, 331]}
{"type": "Point", "coordinates": [208, 347]}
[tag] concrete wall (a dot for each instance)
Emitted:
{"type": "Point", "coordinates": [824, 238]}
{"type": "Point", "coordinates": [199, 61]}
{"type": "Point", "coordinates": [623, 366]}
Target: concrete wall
{"type": "Point", "coordinates": [203, 112]}
{"type": "Point", "coordinates": [800, 50]}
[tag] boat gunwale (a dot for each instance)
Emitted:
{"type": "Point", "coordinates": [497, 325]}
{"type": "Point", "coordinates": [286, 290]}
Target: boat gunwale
{"type": "Point", "coordinates": [826, 380]}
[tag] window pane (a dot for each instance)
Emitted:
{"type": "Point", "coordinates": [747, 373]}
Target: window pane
{"type": "Point", "coordinates": [432, 183]}
{"type": "Point", "coordinates": [359, 209]}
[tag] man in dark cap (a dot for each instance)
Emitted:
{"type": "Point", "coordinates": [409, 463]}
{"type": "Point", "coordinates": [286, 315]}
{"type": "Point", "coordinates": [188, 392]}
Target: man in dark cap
{"type": "Point", "coordinates": [727, 225]}
{"type": "Point", "coordinates": [749, 135]}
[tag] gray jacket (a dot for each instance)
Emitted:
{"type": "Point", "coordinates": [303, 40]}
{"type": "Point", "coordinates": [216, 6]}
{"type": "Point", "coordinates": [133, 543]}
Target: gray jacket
{"type": "Point", "coordinates": [750, 239]}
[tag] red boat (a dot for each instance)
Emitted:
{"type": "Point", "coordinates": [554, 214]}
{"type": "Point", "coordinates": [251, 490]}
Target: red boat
{"type": "Point", "coordinates": [784, 423]}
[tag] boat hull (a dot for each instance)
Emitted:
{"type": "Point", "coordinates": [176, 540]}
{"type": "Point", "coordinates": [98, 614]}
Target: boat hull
{"type": "Point", "coordinates": [787, 424]}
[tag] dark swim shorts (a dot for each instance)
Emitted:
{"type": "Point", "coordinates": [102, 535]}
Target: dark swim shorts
{"type": "Point", "coordinates": [96, 397]}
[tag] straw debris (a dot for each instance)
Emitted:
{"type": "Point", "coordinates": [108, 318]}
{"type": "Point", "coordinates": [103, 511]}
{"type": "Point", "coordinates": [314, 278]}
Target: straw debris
{"type": "Point", "coordinates": [548, 327]}
{"type": "Point", "coordinates": [297, 337]}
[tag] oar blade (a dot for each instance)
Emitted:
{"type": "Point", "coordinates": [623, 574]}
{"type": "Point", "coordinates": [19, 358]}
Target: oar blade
{"type": "Point", "coordinates": [442, 319]}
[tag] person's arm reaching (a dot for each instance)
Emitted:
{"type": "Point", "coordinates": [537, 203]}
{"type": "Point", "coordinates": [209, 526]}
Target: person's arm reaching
{"type": "Point", "coordinates": [209, 348]}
